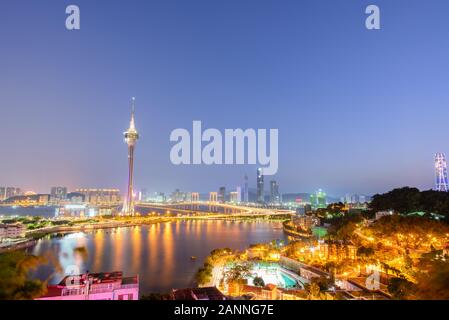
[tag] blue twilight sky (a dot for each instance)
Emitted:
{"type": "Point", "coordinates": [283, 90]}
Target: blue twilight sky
{"type": "Point", "coordinates": [358, 111]}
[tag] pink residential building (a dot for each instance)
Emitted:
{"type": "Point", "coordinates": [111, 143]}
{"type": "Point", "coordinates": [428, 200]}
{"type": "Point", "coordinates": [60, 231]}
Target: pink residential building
{"type": "Point", "coordinates": [95, 286]}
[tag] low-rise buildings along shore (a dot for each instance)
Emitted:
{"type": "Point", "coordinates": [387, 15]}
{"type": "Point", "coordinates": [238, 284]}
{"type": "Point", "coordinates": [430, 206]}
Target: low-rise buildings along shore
{"type": "Point", "coordinates": [95, 286]}
{"type": "Point", "coordinates": [16, 230]}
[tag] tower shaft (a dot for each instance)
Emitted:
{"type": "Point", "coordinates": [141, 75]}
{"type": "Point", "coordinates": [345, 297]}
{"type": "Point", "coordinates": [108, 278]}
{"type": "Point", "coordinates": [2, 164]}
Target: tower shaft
{"type": "Point", "coordinates": [129, 204]}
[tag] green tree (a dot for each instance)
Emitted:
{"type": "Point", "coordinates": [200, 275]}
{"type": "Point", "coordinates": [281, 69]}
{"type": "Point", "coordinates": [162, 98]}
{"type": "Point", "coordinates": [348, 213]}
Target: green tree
{"type": "Point", "coordinates": [400, 288]}
{"type": "Point", "coordinates": [239, 271]}
{"type": "Point", "coordinates": [365, 252]}
{"type": "Point", "coordinates": [433, 279]}
{"type": "Point", "coordinates": [313, 290]}
{"type": "Point", "coordinates": [316, 287]}
{"type": "Point", "coordinates": [323, 282]}
{"type": "Point", "coordinates": [15, 283]}
{"type": "Point", "coordinates": [258, 282]}
{"type": "Point", "coordinates": [204, 274]}
{"type": "Point", "coordinates": [408, 262]}
{"type": "Point", "coordinates": [346, 232]}
{"type": "Point", "coordinates": [408, 200]}
{"type": "Point", "coordinates": [342, 228]}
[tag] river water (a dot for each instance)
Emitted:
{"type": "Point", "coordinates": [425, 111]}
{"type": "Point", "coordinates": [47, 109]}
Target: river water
{"type": "Point", "coordinates": [160, 253]}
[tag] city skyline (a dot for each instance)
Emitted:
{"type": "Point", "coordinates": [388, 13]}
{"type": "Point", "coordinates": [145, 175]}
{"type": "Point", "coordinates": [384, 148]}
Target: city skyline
{"type": "Point", "coordinates": [226, 151]}
{"type": "Point", "coordinates": [358, 137]}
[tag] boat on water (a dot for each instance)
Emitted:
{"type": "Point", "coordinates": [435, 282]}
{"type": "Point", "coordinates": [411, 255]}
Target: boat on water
{"type": "Point", "coordinates": [192, 258]}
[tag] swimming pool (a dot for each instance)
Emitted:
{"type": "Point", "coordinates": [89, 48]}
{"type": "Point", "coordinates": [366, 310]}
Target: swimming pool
{"type": "Point", "coordinates": [275, 274]}
{"type": "Point", "coordinates": [288, 281]}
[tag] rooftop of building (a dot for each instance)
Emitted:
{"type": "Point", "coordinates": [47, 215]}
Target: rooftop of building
{"type": "Point", "coordinates": [315, 270]}
{"type": "Point", "coordinates": [98, 278]}
{"type": "Point", "coordinates": [97, 190]}
{"type": "Point", "coordinates": [79, 281]}
{"type": "Point", "coordinates": [11, 225]}
{"type": "Point", "coordinates": [205, 293]}
{"type": "Point", "coordinates": [26, 197]}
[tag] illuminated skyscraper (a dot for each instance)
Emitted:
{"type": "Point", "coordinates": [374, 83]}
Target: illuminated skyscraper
{"type": "Point", "coordinates": [8, 192]}
{"type": "Point", "coordinates": [131, 137]}
{"type": "Point", "coordinates": [260, 191]}
{"type": "Point", "coordinates": [274, 192]}
{"type": "Point", "coordinates": [246, 191]}
{"type": "Point", "coordinates": [233, 196]}
{"type": "Point", "coordinates": [96, 196]}
{"type": "Point", "coordinates": [58, 194]}
{"type": "Point", "coordinates": [239, 194]}
{"type": "Point", "coordinates": [222, 195]}
{"type": "Point", "coordinates": [441, 183]}
{"type": "Point", "coordinates": [318, 200]}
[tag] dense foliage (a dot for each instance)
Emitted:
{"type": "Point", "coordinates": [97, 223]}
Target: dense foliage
{"type": "Point", "coordinates": [419, 226]}
{"type": "Point", "coordinates": [258, 282]}
{"type": "Point", "coordinates": [400, 288]}
{"type": "Point", "coordinates": [317, 286]}
{"type": "Point", "coordinates": [342, 228]}
{"type": "Point", "coordinates": [217, 256]}
{"type": "Point", "coordinates": [239, 271]}
{"type": "Point", "coordinates": [409, 200]}
{"type": "Point", "coordinates": [204, 274]}
{"type": "Point", "coordinates": [14, 274]}
{"type": "Point", "coordinates": [433, 278]}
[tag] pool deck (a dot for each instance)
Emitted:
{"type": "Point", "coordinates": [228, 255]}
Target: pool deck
{"type": "Point", "coordinates": [264, 267]}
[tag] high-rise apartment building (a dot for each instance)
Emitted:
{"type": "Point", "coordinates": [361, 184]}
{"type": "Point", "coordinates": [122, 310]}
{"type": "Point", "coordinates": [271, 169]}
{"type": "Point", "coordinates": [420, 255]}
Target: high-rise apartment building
{"type": "Point", "coordinates": [58, 193]}
{"type": "Point", "coordinates": [260, 197]}
{"type": "Point", "coordinates": [246, 190]}
{"type": "Point", "coordinates": [100, 196]}
{"type": "Point", "coordinates": [8, 192]}
{"type": "Point", "coordinates": [274, 192]}
{"type": "Point", "coordinates": [318, 200]}
{"type": "Point", "coordinates": [222, 194]}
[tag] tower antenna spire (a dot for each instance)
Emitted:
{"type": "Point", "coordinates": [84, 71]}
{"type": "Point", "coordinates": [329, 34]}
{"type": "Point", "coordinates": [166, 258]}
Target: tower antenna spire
{"type": "Point", "coordinates": [133, 105]}
{"type": "Point", "coordinates": [132, 125]}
